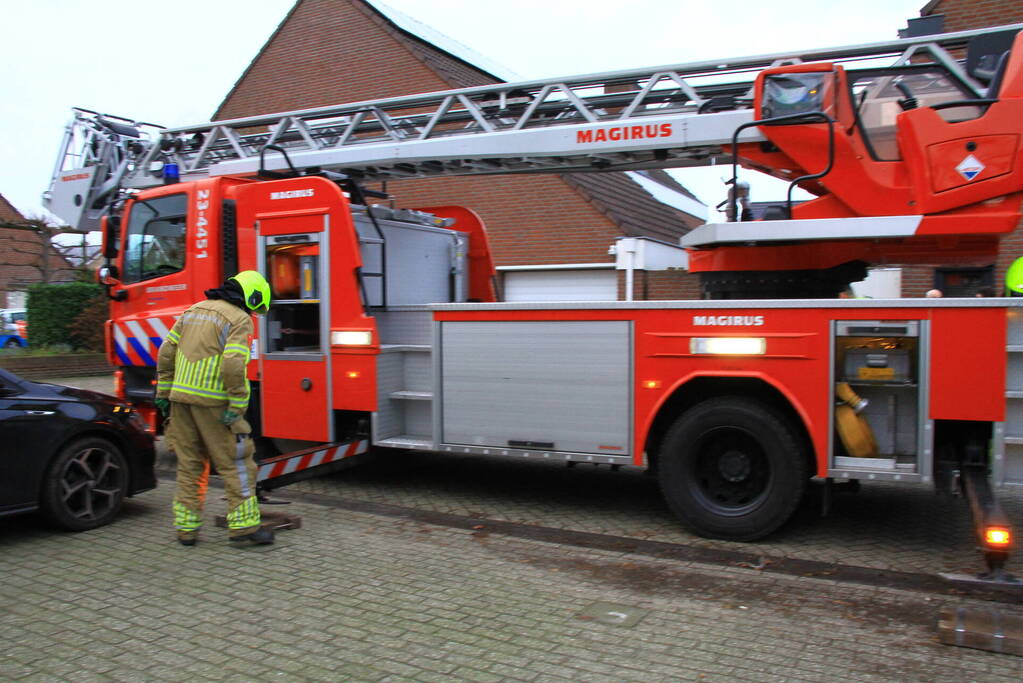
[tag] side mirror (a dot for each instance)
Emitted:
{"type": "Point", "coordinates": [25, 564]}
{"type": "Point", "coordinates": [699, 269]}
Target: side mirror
{"type": "Point", "coordinates": [111, 226]}
{"type": "Point", "coordinates": [108, 276]}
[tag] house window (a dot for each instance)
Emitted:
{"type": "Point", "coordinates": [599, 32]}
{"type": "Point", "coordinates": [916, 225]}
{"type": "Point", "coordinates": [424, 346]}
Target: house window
{"type": "Point", "coordinates": [963, 281]}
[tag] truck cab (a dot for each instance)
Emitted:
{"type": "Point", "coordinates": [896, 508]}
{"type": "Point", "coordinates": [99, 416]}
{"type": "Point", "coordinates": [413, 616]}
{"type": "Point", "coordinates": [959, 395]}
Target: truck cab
{"type": "Point", "coordinates": [341, 275]}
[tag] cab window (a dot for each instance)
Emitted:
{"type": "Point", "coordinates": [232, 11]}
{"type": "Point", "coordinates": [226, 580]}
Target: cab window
{"type": "Point", "coordinates": [797, 93]}
{"type": "Point", "coordinates": [155, 238]}
{"type": "Point", "coordinates": [877, 93]}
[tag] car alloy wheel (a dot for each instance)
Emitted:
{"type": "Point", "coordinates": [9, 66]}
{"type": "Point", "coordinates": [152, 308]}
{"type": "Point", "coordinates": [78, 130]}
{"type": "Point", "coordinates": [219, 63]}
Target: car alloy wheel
{"type": "Point", "coordinates": [85, 485]}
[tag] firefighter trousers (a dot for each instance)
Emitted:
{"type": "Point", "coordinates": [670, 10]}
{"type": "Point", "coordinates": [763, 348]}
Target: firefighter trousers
{"type": "Point", "coordinates": [198, 437]}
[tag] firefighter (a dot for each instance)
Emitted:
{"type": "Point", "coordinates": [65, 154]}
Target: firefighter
{"type": "Point", "coordinates": [201, 385]}
{"type": "Point", "coordinates": [1014, 278]}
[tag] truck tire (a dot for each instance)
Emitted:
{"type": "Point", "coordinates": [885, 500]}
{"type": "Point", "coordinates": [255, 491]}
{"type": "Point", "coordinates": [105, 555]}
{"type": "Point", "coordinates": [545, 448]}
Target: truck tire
{"type": "Point", "coordinates": [85, 485]}
{"type": "Point", "coordinates": [732, 468]}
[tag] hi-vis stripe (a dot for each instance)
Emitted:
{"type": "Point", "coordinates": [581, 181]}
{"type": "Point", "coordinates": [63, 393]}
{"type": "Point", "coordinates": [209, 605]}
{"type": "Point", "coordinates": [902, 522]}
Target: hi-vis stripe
{"type": "Point", "coordinates": [136, 342]}
{"type": "Point", "coordinates": [243, 349]}
{"type": "Point", "coordinates": [201, 377]}
{"type": "Point", "coordinates": [288, 463]}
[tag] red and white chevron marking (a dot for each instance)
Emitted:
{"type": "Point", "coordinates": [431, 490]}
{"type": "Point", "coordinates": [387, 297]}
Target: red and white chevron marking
{"type": "Point", "coordinates": [286, 464]}
{"type": "Point", "coordinates": [136, 341]}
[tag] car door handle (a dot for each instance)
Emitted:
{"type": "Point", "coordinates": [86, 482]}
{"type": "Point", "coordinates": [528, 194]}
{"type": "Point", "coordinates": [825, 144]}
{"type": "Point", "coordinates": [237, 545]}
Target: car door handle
{"type": "Point", "coordinates": [41, 412]}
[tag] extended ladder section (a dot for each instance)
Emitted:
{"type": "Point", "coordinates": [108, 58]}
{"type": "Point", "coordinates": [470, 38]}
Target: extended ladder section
{"type": "Point", "coordinates": [671, 116]}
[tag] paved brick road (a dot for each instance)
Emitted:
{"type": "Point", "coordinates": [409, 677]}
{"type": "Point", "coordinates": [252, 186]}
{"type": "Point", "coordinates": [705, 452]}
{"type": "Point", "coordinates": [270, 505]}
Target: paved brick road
{"type": "Point", "coordinates": [354, 596]}
{"type": "Point", "coordinates": [884, 526]}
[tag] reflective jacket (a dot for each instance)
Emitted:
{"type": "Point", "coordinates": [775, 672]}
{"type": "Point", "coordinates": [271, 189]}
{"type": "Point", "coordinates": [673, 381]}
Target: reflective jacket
{"type": "Point", "coordinates": [202, 361]}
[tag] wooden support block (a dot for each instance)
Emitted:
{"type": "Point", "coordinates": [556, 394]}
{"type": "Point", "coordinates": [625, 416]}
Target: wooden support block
{"type": "Point", "coordinates": [278, 521]}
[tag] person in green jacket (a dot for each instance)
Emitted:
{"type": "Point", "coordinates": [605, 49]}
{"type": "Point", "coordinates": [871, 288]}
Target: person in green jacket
{"type": "Point", "coordinates": [203, 388]}
{"type": "Point", "coordinates": [1014, 278]}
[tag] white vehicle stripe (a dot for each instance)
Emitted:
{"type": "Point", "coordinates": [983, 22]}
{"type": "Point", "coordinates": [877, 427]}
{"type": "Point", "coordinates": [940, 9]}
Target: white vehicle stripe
{"type": "Point", "coordinates": [138, 332]}
{"type": "Point", "coordinates": [292, 464]}
{"type": "Point", "coordinates": [119, 337]}
{"type": "Point", "coordinates": [159, 328]}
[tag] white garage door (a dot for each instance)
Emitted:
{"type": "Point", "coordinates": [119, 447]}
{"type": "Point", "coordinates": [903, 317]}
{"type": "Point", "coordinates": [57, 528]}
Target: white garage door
{"type": "Point", "coordinates": [560, 285]}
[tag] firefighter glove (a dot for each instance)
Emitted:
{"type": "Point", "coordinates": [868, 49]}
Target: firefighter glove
{"type": "Point", "coordinates": [230, 417]}
{"type": "Point", "coordinates": [163, 405]}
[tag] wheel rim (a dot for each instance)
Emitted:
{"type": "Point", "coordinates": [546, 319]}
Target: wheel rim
{"type": "Point", "coordinates": [731, 471]}
{"type": "Point", "coordinates": [91, 484]}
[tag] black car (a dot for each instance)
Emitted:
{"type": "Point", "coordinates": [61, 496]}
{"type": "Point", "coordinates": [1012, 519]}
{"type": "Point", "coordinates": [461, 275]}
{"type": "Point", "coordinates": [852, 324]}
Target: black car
{"type": "Point", "coordinates": [71, 453]}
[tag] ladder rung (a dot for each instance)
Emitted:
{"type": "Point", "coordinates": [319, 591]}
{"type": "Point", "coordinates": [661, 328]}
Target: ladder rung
{"type": "Point", "coordinates": [401, 348]}
{"type": "Point", "coordinates": [410, 441]}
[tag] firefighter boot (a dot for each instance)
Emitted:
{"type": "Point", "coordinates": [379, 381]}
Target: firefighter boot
{"type": "Point", "coordinates": [188, 537]}
{"type": "Point", "coordinates": [260, 536]}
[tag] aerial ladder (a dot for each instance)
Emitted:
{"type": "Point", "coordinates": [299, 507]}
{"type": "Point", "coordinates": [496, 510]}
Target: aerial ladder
{"type": "Point", "coordinates": [818, 121]}
{"type": "Point", "coordinates": [910, 147]}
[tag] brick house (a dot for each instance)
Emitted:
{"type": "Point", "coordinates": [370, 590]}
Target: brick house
{"type": "Point", "coordinates": [946, 16]}
{"type": "Point", "coordinates": [20, 255]}
{"type": "Point", "coordinates": [545, 230]}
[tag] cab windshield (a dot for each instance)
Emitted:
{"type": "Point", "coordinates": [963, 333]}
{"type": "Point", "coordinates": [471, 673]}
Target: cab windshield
{"type": "Point", "coordinates": [155, 238]}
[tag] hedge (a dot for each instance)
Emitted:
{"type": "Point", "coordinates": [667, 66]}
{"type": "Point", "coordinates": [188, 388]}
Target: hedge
{"type": "Point", "coordinates": [53, 307]}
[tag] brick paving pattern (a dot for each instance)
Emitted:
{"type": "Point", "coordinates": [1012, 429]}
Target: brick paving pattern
{"type": "Point", "coordinates": [884, 526]}
{"type": "Point", "coordinates": [358, 597]}
{"type": "Point", "coordinates": [889, 526]}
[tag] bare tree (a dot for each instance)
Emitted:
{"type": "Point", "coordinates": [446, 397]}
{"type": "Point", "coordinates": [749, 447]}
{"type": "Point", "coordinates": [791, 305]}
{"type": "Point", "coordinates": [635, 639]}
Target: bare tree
{"type": "Point", "coordinates": [78, 252]}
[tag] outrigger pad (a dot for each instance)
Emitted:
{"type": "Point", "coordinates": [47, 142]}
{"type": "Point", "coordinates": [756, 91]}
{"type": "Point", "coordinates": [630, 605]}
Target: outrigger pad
{"type": "Point", "coordinates": [982, 629]}
{"type": "Point", "coordinates": [277, 521]}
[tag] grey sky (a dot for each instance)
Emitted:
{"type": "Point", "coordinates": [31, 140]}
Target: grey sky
{"type": "Point", "coordinates": [172, 62]}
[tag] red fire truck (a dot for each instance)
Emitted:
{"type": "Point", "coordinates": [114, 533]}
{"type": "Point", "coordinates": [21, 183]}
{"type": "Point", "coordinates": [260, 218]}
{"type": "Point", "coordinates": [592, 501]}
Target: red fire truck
{"type": "Point", "coordinates": [386, 332]}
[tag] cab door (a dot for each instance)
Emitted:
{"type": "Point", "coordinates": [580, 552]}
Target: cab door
{"type": "Point", "coordinates": [295, 373]}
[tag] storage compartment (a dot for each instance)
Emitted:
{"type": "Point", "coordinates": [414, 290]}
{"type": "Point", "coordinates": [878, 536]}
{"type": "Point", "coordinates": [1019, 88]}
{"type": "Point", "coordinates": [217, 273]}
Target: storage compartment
{"type": "Point", "coordinates": [293, 327]}
{"type": "Point", "coordinates": [293, 323]}
{"type": "Point", "coordinates": [538, 385]}
{"type": "Point", "coordinates": [293, 271]}
{"type": "Point", "coordinates": [394, 244]}
{"type": "Point", "coordinates": [877, 396]}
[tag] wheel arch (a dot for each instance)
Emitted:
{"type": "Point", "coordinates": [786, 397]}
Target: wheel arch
{"type": "Point", "coordinates": [701, 388]}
